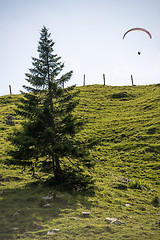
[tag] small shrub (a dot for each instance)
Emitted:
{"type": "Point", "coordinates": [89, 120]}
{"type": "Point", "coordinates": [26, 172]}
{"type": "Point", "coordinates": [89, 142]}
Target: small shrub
{"type": "Point", "coordinates": [151, 130]}
{"type": "Point", "coordinates": [135, 184]}
{"type": "Point", "coordinates": [156, 201]}
{"type": "Point", "coordinates": [121, 96]}
{"type": "Point", "coordinates": [121, 186]}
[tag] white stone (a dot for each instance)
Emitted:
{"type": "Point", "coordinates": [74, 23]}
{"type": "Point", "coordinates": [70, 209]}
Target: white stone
{"type": "Point", "coordinates": [47, 205]}
{"type": "Point", "coordinates": [127, 205]}
{"type": "Point", "coordinates": [16, 228]}
{"type": "Point", "coordinates": [86, 213]}
{"type": "Point", "coordinates": [51, 232]}
{"type": "Point", "coordinates": [48, 197]}
{"type": "Point", "coordinates": [110, 220]}
{"type": "Point", "coordinates": [114, 220]}
{"type": "Point", "coordinates": [73, 218]}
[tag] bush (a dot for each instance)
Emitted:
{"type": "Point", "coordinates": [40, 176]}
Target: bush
{"type": "Point", "coordinates": [155, 201]}
{"type": "Point", "coordinates": [135, 184]}
{"type": "Point", "coordinates": [121, 96]}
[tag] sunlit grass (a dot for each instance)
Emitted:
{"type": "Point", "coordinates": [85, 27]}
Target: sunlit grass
{"type": "Point", "coordinates": [124, 123]}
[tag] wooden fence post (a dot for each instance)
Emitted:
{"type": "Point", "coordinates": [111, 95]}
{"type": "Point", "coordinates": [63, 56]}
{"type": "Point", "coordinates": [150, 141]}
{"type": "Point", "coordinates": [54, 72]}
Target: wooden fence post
{"type": "Point", "coordinates": [104, 79]}
{"type": "Point", "coordinates": [10, 90]}
{"type": "Point", "coordinates": [84, 80]}
{"type": "Point", "coordinates": [132, 80]}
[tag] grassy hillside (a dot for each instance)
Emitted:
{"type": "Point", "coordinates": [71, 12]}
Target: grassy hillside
{"type": "Point", "coordinates": [124, 123]}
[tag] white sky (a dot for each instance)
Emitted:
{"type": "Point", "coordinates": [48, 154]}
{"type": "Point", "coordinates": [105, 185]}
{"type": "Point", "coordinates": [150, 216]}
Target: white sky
{"type": "Point", "coordinates": [88, 36]}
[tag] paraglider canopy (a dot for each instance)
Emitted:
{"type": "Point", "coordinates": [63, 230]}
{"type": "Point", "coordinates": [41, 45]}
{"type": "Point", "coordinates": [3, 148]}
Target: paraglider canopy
{"type": "Point", "coordinates": [139, 29]}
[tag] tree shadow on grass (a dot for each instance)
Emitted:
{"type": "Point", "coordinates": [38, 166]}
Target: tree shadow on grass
{"type": "Point", "coordinates": [27, 211]}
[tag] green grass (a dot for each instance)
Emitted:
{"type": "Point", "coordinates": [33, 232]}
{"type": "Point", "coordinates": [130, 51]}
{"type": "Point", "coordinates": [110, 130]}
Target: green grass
{"type": "Point", "coordinates": [124, 123]}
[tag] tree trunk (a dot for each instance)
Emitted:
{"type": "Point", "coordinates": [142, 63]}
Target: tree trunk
{"type": "Point", "coordinates": [58, 174]}
{"type": "Point", "coordinates": [49, 86]}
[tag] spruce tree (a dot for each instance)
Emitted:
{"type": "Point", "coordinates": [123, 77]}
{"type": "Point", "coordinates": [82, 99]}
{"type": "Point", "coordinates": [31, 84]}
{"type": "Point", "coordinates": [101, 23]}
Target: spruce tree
{"type": "Point", "coordinates": [49, 124]}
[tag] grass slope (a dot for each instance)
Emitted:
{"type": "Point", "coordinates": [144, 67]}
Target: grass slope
{"type": "Point", "coordinates": [124, 122]}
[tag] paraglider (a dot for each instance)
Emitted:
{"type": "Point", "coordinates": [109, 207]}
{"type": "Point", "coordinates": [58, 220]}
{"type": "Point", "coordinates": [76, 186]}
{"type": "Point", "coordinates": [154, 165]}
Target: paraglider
{"type": "Point", "coordinates": [138, 29]}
